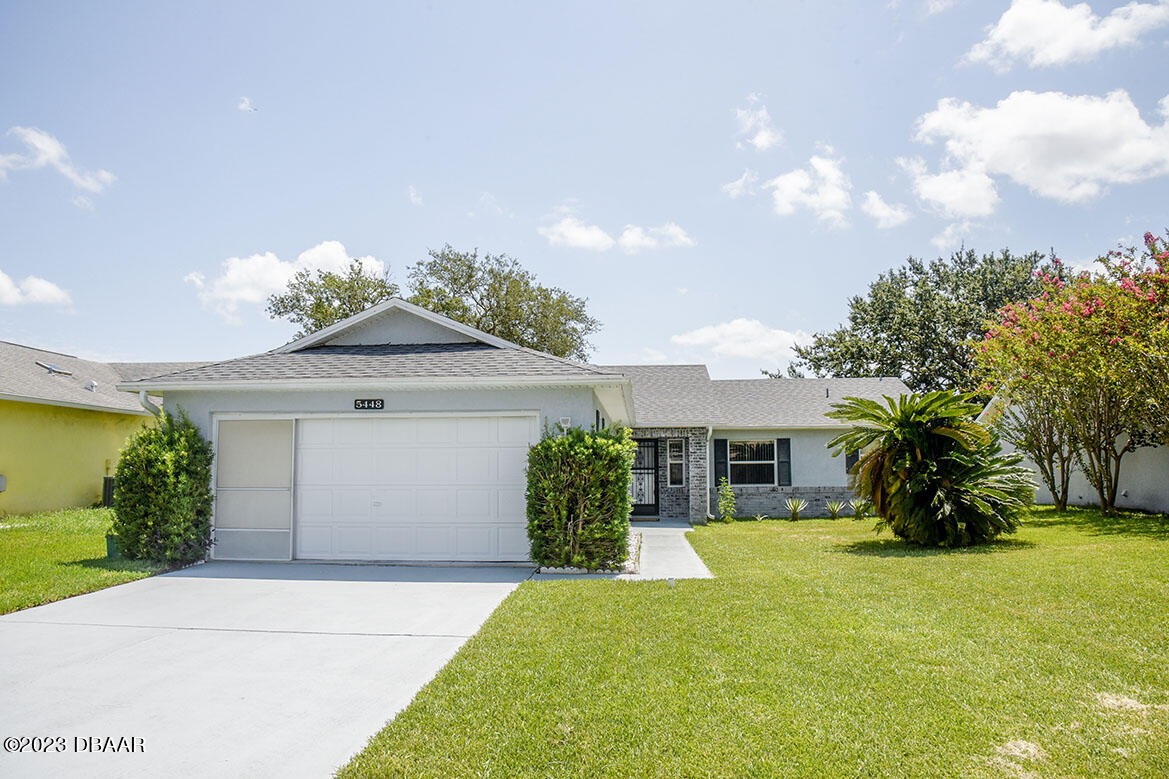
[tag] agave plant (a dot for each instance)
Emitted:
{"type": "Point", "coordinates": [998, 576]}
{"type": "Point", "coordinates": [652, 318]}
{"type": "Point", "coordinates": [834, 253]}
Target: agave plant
{"type": "Point", "coordinates": [860, 508]}
{"type": "Point", "coordinates": [795, 506]}
{"type": "Point", "coordinates": [934, 476]}
{"type": "Point", "coordinates": [834, 508]}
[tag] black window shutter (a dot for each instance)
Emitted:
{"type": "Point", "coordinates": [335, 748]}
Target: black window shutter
{"type": "Point", "coordinates": [850, 460]}
{"type": "Point", "coordinates": [783, 461]}
{"type": "Point", "coordinates": [720, 459]}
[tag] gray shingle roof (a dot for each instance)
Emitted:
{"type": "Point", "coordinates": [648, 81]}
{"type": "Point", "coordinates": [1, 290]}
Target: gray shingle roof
{"type": "Point", "coordinates": [669, 395]}
{"type": "Point", "coordinates": [791, 402]}
{"type": "Point", "coordinates": [133, 371]}
{"type": "Point", "coordinates": [679, 395]}
{"type": "Point", "coordinates": [21, 378]}
{"type": "Point", "coordinates": [386, 361]}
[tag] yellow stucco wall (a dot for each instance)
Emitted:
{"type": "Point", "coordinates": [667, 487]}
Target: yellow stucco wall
{"type": "Point", "coordinates": [55, 457]}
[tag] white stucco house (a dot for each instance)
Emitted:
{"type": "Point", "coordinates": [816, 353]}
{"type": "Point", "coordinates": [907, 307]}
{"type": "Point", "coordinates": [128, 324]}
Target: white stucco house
{"type": "Point", "coordinates": [400, 434]}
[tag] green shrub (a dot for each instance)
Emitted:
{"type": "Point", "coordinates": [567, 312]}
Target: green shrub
{"type": "Point", "coordinates": [860, 508]}
{"type": "Point", "coordinates": [834, 508]}
{"type": "Point", "coordinates": [162, 503]}
{"type": "Point", "coordinates": [726, 500]}
{"type": "Point", "coordinates": [795, 506]}
{"type": "Point", "coordinates": [935, 477]}
{"type": "Point", "coordinates": [578, 498]}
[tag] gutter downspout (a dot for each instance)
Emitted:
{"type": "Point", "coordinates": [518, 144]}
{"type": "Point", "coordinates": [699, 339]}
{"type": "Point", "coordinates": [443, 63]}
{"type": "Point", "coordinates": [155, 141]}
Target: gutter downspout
{"type": "Point", "coordinates": [709, 471]}
{"type": "Point", "coordinates": [156, 411]}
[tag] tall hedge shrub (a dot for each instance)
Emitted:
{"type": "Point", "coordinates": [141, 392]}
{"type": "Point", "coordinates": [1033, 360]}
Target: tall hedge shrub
{"type": "Point", "coordinates": [162, 502]}
{"type": "Point", "coordinates": [578, 498]}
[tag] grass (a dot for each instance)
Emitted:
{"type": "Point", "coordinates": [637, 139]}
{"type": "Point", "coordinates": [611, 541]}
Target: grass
{"type": "Point", "coordinates": [49, 556]}
{"type": "Point", "coordinates": [820, 649]}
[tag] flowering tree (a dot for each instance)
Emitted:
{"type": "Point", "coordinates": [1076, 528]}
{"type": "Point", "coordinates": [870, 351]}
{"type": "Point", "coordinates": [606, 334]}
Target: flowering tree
{"type": "Point", "coordinates": [1087, 354]}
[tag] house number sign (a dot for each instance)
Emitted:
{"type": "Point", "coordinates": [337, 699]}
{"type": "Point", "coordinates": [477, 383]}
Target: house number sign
{"type": "Point", "coordinates": [369, 404]}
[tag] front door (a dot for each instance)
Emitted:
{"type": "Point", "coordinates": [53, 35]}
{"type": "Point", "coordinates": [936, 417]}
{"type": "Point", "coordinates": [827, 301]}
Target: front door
{"type": "Point", "coordinates": [643, 487]}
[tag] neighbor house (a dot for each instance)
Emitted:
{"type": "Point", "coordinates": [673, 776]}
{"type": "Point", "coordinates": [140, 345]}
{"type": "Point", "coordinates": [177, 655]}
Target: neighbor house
{"type": "Point", "coordinates": [400, 434]}
{"type": "Point", "coordinates": [62, 424]}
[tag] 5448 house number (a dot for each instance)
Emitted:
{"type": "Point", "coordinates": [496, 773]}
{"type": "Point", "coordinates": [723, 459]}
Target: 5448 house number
{"type": "Point", "coordinates": [369, 404]}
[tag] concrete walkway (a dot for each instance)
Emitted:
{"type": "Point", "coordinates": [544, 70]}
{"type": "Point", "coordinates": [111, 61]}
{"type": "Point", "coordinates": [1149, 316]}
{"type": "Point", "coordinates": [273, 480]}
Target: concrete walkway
{"type": "Point", "coordinates": [234, 669]}
{"type": "Point", "coordinates": [665, 554]}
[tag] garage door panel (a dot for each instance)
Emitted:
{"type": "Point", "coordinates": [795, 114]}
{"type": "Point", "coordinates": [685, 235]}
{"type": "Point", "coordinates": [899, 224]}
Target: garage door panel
{"type": "Point", "coordinates": [314, 541]}
{"type": "Point", "coordinates": [437, 431]}
{"type": "Point", "coordinates": [435, 503]}
{"type": "Point", "coordinates": [476, 466]}
{"type": "Point", "coordinates": [513, 465]}
{"type": "Point", "coordinates": [413, 488]}
{"type": "Point", "coordinates": [436, 466]}
{"type": "Point", "coordinates": [476, 430]}
{"type": "Point", "coordinates": [353, 503]}
{"type": "Point", "coordinates": [475, 542]}
{"type": "Point", "coordinates": [353, 466]}
{"type": "Point", "coordinates": [352, 431]}
{"type": "Point", "coordinates": [396, 431]}
{"type": "Point", "coordinates": [314, 466]}
{"type": "Point", "coordinates": [352, 541]}
{"type": "Point", "coordinates": [473, 504]}
{"type": "Point", "coordinates": [515, 430]}
{"type": "Point", "coordinates": [396, 466]}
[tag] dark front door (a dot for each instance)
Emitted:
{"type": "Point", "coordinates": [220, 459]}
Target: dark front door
{"type": "Point", "coordinates": [644, 484]}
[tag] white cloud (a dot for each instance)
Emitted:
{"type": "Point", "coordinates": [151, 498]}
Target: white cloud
{"type": "Point", "coordinates": [415, 198]}
{"type": "Point", "coordinates": [31, 290]}
{"type": "Point", "coordinates": [250, 280]}
{"type": "Point", "coordinates": [649, 354]}
{"type": "Point", "coordinates": [822, 187]}
{"type": "Point", "coordinates": [572, 232]}
{"type": "Point", "coordinates": [743, 185]}
{"type": "Point", "coordinates": [245, 105]}
{"type": "Point", "coordinates": [1068, 148]}
{"type": "Point", "coordinates": [952, 236]}
{"type": "Point", "coordinates": [43, 150]}
{"type": "Point", "coordinates": [742, 337]}
{"type": "Point", "coordinates": [670, 235]}
{"type": "Point", "coordinates": [887, 215]}
{"type": "Point", "coordinates": [1046, 33]}
{"type": "Point", "coordinates": [83, 202]}
{"type": "Point", "coordinates": [937, 6]}
{"type": "Point", "coordinates": [956, 192]}
{"type": "Point", "coordinates": [755, 126]}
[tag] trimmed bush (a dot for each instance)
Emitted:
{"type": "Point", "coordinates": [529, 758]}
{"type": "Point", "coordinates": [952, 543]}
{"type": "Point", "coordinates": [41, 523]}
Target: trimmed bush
{"type": "Point", "coordinates": [578, 498]}
{"type": "Point", "coordinates": [162, 502]}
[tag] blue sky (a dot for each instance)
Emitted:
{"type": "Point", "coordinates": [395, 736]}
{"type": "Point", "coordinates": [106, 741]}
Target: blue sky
{"type": "Point", "coordinates": [717, 180]}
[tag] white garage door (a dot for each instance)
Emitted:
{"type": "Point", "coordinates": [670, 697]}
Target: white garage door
{"type": "Point", "coordinates": [412, 488]}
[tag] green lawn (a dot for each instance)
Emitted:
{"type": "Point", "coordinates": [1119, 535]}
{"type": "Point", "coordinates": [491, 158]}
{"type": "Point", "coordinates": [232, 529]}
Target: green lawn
{"type": "Point", "coordinates": [820, 649]}
{"type": "Point", "coordinates": [46, 557]}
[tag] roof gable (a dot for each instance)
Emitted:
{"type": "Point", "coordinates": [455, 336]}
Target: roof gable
{"type": "Point", "coordinates": [394, 321]}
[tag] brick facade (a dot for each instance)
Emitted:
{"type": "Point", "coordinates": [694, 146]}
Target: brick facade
{"type": "Point", "coordinates": [772, 501]}
{"type": "Point", "coordinates": [688, 502]}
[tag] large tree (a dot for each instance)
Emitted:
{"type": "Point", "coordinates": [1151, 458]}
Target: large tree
{"type": "Point", "coordinates": [317, 300]}
{"type": "Point", "coordinates": [1092, 350]}
{"type": "Point", "coordinates": [494, 293]}
{"type": "Point", "coordinates": [917, 321]}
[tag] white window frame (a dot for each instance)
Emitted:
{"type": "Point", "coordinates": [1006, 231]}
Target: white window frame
{"type": "Point", "coordinates": [681, 460]}
{"type": "Point", "coordinates": [773, 462]}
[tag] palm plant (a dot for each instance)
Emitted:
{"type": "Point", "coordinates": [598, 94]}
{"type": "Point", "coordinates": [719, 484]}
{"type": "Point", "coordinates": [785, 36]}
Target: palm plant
{"type": "Point", "coordinates": [934, 476]}
{"type": "Point", "coordinates": [795, 506]}
{"type": "Point", "coordinates": [860, 508]}
{"type": "Point", "coordinates": [834, 508]}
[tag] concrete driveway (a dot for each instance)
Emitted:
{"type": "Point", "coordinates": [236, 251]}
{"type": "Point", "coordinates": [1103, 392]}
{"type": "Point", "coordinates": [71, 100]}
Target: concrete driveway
{"type": "Point", "coordinates": [233, 669]}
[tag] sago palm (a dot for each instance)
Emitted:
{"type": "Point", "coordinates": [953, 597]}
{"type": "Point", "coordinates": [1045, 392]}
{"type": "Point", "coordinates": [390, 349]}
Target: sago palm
{"type": "Point", "coordinates": [934, 476]}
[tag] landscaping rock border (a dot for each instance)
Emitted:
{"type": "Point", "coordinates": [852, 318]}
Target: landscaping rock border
{"type": "Point", "coordinates": [632, 561]}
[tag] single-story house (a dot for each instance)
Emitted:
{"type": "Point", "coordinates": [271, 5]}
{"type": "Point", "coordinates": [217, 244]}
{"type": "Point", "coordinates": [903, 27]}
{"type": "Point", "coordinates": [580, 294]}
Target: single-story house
{"type": "Point", "coordinates": [62, 424]}
{"type": "Point", "coordinates": [400, 434]}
